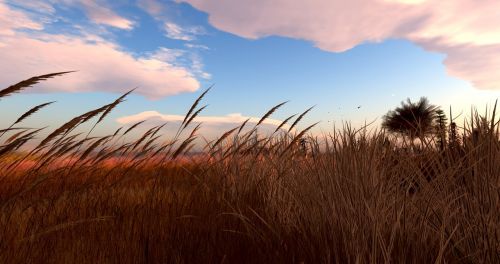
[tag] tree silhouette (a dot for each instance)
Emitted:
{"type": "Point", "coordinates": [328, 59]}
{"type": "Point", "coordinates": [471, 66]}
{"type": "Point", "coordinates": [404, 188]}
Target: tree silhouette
{"type": "Point", "coordinates": [415, 120]}
{"type": "Point", "coordinates": [441, 125]}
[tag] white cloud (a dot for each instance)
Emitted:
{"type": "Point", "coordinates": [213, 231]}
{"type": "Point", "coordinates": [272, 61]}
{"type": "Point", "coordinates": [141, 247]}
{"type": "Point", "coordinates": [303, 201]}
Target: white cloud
{"type": "Point", "coordinates": [197, 67]}
{"type": "Point", "coordinates": [175, 31]}
{"type": "Point", "coordinates": [168, 55]}
{"type": "Point", "coordinates": [196, 46]}
{"type": "Point", "coordinates": [11, 20]}
{"type": "Point", "coordinates": [172, 30]}
{"type": "Point", "coordinates": [235, 118]}
{"type": "Point", "coordinates": [101, 66]}
{"type": "Point", "coordinates": [211, 126]}
{"type": "Point", "coordinates": [182, 58]}
{"type": "Point", "coordinates": [35, 5]}
{"type": "Point", "coordinates": [461, 29]}
{"type": "Point", "coordinates": [100, 13]}
{"type": "Point", "coordinates": [153, 7]}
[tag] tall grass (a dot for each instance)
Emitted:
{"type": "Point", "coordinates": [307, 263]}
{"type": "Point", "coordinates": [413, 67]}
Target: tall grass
{"type": "Point", "coordinates": [358, 196]}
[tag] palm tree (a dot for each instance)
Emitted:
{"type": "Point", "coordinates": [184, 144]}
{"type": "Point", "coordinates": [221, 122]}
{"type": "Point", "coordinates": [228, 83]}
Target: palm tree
{"type": "Point", "coordinates": [415, 120]}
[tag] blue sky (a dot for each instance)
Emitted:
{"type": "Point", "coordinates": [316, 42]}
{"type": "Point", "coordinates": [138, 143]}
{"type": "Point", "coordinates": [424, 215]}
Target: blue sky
{"type": "Point", "coordinates": [172, 51]}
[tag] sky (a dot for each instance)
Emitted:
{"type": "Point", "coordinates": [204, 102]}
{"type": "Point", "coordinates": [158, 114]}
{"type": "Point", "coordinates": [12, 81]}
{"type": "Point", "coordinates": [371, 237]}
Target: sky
{"type": "Point", "coordinates": [353, 60]}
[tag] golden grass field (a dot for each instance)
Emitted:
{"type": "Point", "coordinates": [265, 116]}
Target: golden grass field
{"type": "Point", "coordinates": [357, 196]}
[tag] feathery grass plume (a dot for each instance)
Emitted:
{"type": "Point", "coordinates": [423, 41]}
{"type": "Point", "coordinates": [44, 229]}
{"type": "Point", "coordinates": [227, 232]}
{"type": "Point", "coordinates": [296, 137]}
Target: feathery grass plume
{"type": "Point", "coordinates": [150, 133]}
{"type": "Point", "coordinates": [253, 146]}
{"type": "Point", "coordinates": [297, 138]}
{"type": "Point", "coordinates": [183, 146]}
{"type": "Point", "coordinates": [99, 154]}
{"type": "Point", "coordinates": [241, 142]}
{"type": "Point", "coordinates": [30, 135]}
{"type": "Point", "coordinates": [237, 140]}
{"type": "Point", "coordinates": [157, 130]}
{"type": "Point", "coordinates": [132, 127]}
{"type": "Point", "coordinates": [13, 128]}
{"type": "Point", "coordinates": [111, 106]}
{"type": "Point", "coordinates": [55, 147]}
{"type": "Point", "coordinates": [194, 116]}
{"type": "Point", "coordinates": [141, 154]}
{"type": "Point", "coordinates": [127, 147]}
{"type": "Point", "coordinates": [72, 124]}
{"type": "Point", "coordinates": [27, 114]}
{"type": "Point", "coordinates": [143, 137]}
{"type": "Point", "coordinates": [109, 154]}
{"type": "Point", "coordinates": [189, 148]}
{"type": "Point", "coordinates": [163, 147]}
{"type": "Point", "coordinates": [117, 131]}
{"type": "Point", "coordinates": [300, 118]}
{"type": "Point", "coordinates": [68, 147]}
{"type": "Point", "coordinates": [195, 129]}
{"type": "Point", "coordinates": [492, 123]}
{"type": "Point", "coordinates": [66, 127]}
{"type": "Point", "coordinates": [225, 135]}
{"type": "Point", "coordinates": [283, 123]}
{"type": "Point", "coordinates": [92, 147]}
{"type": "Point", "coordinates": [18, 142]}
{"type": "Point", "coordinates": [16, 135]}
{"type": "Point", "coordinates": [195, 104]}
{"type": "Point", "coordinates": [32, 111]}
{"type": "Point", "coordinates": [270, 112]}
{"type": "Point", "coordinates": [14, 145]}
{"type": "Point", "coordinates": [60, 149]}
{"type": "Point", "coordinates": [149, 142]}
{"type": "Point", "coordinates": [28, 83]}
{"type": "Point", "coordinates": [260, 145]}
{"type": "Point", "coordinates": [243, 125]}
{"type": "Point", "coordinates": [106, 109]}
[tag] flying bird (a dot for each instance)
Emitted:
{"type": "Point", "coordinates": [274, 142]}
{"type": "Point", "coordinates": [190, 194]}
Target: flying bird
{"type": "Point", "coordinates": [359, 107]}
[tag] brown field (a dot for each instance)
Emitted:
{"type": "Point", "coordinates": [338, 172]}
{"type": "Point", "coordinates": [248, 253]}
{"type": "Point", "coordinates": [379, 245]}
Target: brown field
{"type": "Point", "coordinates": [353, 196]}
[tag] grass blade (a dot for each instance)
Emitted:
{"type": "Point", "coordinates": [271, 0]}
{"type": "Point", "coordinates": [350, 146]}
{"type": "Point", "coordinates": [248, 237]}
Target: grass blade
{"type": "Point", "coordinates": [270, 112]}
{"type": "Point", "coordinates": [299, 118]}
{"type": "Point", "coordinates": [18, 87]}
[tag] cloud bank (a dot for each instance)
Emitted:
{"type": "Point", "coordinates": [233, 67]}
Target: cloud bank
{"type": "Point", "coordinates": [466, 31]}
{"type": "Point", "coordinates": [102, 65]}
{"type": "Point", "coordinates": [10, 20]}
{"type": "Point", "coordinates": [236, 118]}
{"type": "Point", "coordinates": [211, 126]}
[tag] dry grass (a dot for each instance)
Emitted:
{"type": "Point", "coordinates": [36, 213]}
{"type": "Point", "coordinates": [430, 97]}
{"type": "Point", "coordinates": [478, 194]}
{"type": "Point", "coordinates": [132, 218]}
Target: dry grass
{"type": "Point", "coordinates": [364, 198]}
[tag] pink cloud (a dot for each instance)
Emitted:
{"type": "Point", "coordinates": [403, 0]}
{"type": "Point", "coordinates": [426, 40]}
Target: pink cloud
{"type": "Point", "coordinates": [153, 7]}
{"type": "Point", "coordinates": [175, 31]}
{"type": "Point", "coordinates": [40, 6]}
{"type": "Point", "coordinates": [235, 118]}
{"type": "Point", "coordinates": [99, 13]}
{"type": "Point", "coordinates": [10, 20]}
{"type": "Point", "coordinates": [101, 66]}
{"type": "Point", "coordinates": [211, 126]}
{"type": "Point", "coordinates": [461, 29]}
